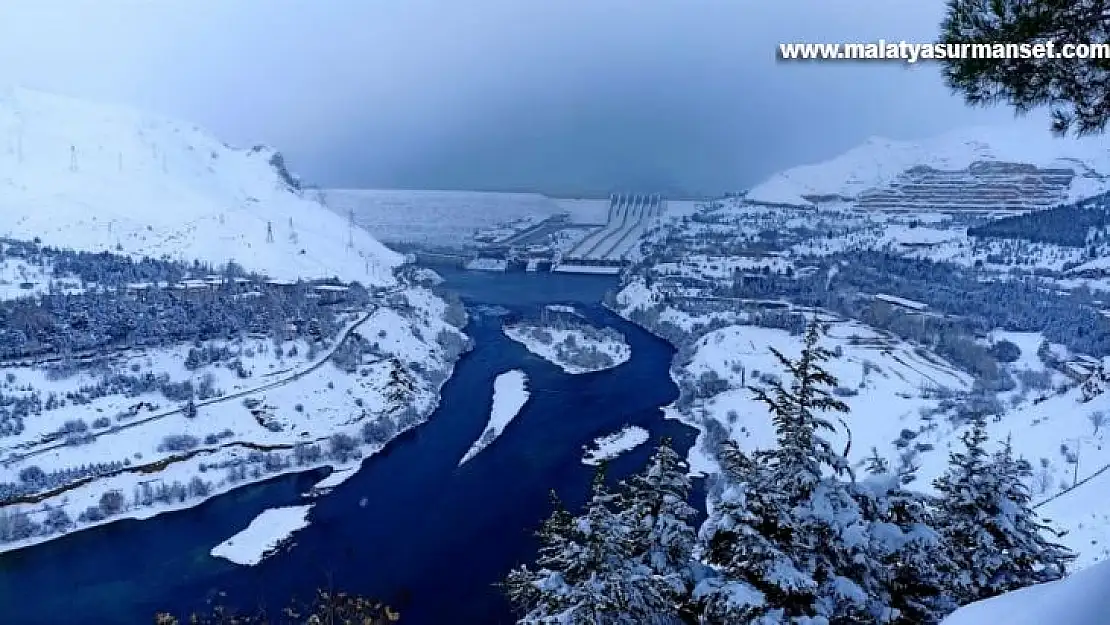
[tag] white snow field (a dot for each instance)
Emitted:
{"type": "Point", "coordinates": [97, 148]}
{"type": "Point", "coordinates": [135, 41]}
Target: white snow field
{"type": "Point", "coordinates": [613, 445]}
{"type": "Point", "coordinates": [1080, 599]}
{"type": "Point", "coordinates": [878, 161]}
{"type": "Point", "coordinates": [265, 532]}
{"type": "Point", "coordinates": [107, 178]}
{"type": "Point", "coordinates": [510, 393]}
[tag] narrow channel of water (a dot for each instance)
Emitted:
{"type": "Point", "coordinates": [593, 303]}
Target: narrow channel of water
{"type": "Point", "coordinates": [412, 527]}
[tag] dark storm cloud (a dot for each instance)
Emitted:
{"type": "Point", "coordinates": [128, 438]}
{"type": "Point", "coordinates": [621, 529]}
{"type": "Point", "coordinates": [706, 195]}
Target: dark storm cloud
{"type": "Point", "coordinates": [561, 95]}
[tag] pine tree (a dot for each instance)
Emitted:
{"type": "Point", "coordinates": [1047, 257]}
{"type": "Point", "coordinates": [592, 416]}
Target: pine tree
{"type": "Point", "coordinates": [654, 508]}
{"type": "Point", "coordinates": [787, 533]}
{"type": "Point", "coordinates": [540, 592]}
{"type": "Point", "coordinates": [965, 508]}
{"type": "Point", "coordinates": [876, 464]}
{"type": "Point", "coordinates": [803, 454]}
{"type": "Point", "coordinates": [742, 540]}
{"type": "Point", "coordinates": [585, 573]}
{"type": "Point", "coordinates": [1031, 557]}
{"type": "Point", "coordinates": [1075, 90]}
{"type": "Point", "coordinates": [997, 541]}
{"type": "Point", "coordinates": [916, 567]}
{"type": "Point", "coordinates": [190, 409]}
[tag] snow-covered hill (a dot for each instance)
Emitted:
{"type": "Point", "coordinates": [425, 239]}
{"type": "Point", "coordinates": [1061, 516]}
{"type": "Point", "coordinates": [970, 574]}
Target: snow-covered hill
{"type": "Point", "coordinates": [1078, 600]}
{"type": "Point", "coordinates": [294, 381]}
{"type": "Point", "coordinates": [879, 161]}
{"type": "Point", "coordinates": [98, 177]}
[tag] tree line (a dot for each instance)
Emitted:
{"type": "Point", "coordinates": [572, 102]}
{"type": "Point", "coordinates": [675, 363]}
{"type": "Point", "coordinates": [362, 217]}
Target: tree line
{"type": "Point", "coordinates": [1081, 224]}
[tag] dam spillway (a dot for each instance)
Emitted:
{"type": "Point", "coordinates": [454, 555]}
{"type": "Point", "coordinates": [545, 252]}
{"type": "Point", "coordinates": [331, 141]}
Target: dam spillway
{"type": "Point", "coordinates": [606, 250]}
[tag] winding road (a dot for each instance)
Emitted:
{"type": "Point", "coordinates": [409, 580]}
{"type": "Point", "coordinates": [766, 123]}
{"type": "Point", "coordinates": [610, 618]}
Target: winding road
{"type": "Point", "coordinates": [285, 379]}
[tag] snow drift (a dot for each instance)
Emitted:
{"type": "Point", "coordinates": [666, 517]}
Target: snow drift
{"type": "Point", "coordinates": [98, 177]}
{"type": "Point", "coordinates": [1080, 599]}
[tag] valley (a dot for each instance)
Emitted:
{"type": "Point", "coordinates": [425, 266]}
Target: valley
{"type": "Point", "coordinates": [245, 392]}
{"type": "Point", "coordinates": [393, 508]}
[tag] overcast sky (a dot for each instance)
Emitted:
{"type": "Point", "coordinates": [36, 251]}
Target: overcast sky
{"type": "Point", "coordinates": [555, 95]}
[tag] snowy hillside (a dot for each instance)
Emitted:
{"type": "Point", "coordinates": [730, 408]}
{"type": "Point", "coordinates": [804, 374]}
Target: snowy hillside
{"type": "Point", "coordinates": [1078, 600]}
{"type": "Point", "coordinates": [879, 161]}
{"type": "Point", "coordinates": [97, 177]}
{"type": "Point", "coordinates": [927, 324]}
{"type": "Point", "coordinates": [148, 384]}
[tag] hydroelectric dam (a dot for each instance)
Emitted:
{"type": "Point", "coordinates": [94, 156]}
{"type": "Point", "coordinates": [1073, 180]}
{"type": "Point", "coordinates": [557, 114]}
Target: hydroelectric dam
{"type": "Point", "coordinates": [606, 250]}
{"type": "Point", "coordinates": [584, 236]}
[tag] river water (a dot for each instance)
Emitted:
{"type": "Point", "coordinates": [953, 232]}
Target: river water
{"type": "Point", "coordinates": [411, 527]}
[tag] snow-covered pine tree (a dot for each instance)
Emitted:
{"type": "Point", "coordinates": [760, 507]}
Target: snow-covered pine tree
{"type": "Point", "coordinates": [541, 592]}
{"type": "Point", "coordinates": [653, 504]}
{"type": "Point", "coordinates": [824, 527]}
{"type": "Point", "coordinates": [1097, 383]}
{"type": "Point", "coordinates": [997, 539]}
{"type": "Point", "coordinates": [966, 505]}
{"type": "Point", "coordinates": [1031, 556]}
{"type": "Point", "coordinates": [789, 536]}
{"type": "Point", "coordinates": [585, 573]}
{"type": "Point", "coordinates": [876, 464]}
{"type": "Point", "coordinates": [916, 568]}
{"type": "Point", "coordinates": [803, 454]}
{"type": "Point", "coordinates": [742, 541]}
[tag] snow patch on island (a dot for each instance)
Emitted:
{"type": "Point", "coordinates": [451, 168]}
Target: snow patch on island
{"type": "Point", "coordinates": [510, 393]}
{"type": "Point", "coordinates": [573, 347]}
{"type": "Point", "coordinates": [328, 484]}
{"type": "Point", "coordinates": [612, 445]}
{"type": "Point", "coordinates": [263, 536]}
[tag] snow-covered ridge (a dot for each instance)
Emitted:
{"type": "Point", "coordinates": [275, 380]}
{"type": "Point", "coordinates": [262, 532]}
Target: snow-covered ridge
{"type": "Point", "coordinates": [878, 162]}
{"type": "Point", "coordinates": [78, 176]}
{"type": "Point", "coordinates": [98, 177]}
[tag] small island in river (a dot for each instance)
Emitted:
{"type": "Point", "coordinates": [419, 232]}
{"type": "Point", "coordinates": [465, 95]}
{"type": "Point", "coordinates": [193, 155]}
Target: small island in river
{"type": "Point", "coordinates": [573, 346]}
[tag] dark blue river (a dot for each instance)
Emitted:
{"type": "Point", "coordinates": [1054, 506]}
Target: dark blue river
{"type": "Point", "coordinates": [433, 537]}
